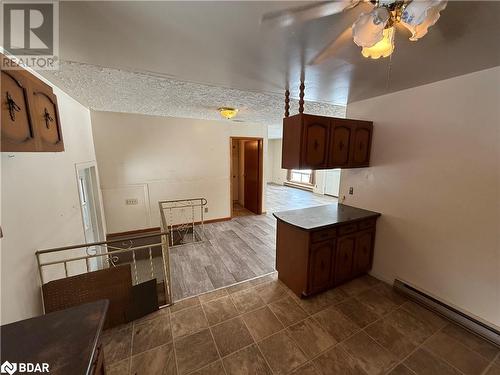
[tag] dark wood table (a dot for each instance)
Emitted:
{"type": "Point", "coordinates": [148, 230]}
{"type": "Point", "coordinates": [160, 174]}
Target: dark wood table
{"type": "Point", "coordinates": [68, 340]}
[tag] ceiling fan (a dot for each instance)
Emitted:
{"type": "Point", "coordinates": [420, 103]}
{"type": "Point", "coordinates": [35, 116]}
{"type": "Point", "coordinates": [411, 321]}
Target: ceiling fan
{"type": "Point", "coordinates": [374, 30]}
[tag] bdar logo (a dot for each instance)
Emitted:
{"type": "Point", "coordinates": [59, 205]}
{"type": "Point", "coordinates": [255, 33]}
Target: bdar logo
{"type": "Point", "coordinates": [8, 368]}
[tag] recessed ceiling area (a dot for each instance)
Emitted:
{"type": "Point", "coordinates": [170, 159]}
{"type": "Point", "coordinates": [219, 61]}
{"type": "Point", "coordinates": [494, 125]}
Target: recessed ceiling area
{"type": "Point", "coordinates": [223, 45]}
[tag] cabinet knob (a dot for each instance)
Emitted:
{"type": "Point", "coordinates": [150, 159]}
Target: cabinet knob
{"type": "Point", "coordinates": [316, 144]}
{"type": "Point", "coordinates": [13, 107]}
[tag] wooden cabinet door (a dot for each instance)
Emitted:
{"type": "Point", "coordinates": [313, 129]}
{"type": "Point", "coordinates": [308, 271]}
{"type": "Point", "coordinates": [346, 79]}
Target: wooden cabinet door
{"type": "Point", "coordinates": [340, 140]}
{"type": "Point", "coordinates": [363, 252]}
{"type": "Point", "coordinates": [46, 118]}
{"type": "Point", "coordinates": [18, 133]}
{"type": "Point", "coordinates": [315, 142]}
{"type": "Point", "coordinates": [320, 271]}
{"type": "Point", "coordinates": [361, 144]}
{"type": "Point", "coordinates": [343, 258]}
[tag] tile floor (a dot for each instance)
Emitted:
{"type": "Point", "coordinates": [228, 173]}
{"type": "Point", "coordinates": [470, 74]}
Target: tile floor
{"type": "Point", "coordinates": [260, 327]}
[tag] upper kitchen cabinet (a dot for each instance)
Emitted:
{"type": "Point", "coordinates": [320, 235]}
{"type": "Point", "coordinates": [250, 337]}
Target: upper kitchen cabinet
{"type": "Point", "coordinates": [30, 117]}
{"type": "Point", "coordinates": [318, 142]}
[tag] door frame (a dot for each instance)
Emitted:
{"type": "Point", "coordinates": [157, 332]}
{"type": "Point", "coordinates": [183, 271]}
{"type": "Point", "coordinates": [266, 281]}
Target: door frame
{"type": "Point", "coordinates": [96, 196]}
{"type": "Point", "coordinates": [261, 171]}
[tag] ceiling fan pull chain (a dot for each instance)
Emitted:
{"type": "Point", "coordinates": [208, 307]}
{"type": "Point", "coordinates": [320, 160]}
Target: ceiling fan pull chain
{"type": "Point", "coordinates": [389, 68]}
{"type": "Point", "coordinates": [287, 103]}
{"type": "Point", "coordinates": [301, 97]}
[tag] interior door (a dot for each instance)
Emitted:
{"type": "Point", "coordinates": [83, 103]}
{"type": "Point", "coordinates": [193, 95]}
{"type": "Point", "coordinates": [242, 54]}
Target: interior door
{"type": "Point", "coordinates": [252, 175]}
{"type": "Point", "coordinates": [332, 182]}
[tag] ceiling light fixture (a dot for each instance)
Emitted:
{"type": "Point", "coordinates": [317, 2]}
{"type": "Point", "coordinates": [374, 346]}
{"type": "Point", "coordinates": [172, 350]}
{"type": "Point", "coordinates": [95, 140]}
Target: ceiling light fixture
{"type": "Point", "coordinates": [228, 112]}
{"type": "Point", "coordinates": [382, 48]}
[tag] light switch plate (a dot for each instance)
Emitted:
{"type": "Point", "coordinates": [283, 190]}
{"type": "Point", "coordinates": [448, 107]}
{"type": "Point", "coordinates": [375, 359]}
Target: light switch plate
{"type": "Point", "coordinates": [131, 201]}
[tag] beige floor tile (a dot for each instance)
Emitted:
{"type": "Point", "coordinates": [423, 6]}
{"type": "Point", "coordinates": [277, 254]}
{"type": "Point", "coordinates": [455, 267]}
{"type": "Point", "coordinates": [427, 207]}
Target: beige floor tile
{"type": "Point", "coordinates": [247, 300]}
{"type": "Point", "coordinates": [188, 321]}
{"type": "Point", "coordinates": [270, 292]}
{"type": "Point", "coordinates": [357, 286]}
{"type": "Point", "coordinates": [184, 304]}
{"type": "Point", "coordinates": [410, 326]}
{"type": "Point", "coordinates": [378, 303]}
{"type": "Point", "coordinates": [456, 354]}
{"type": "Point", "coordinates": [359, 313]}
{"type": "Point", "coordinates": [161, 312]}
{"type": "Point", "coordinates": [287, 311]}
{"type": "Point", "coordinates": [401, 370]}
{"type": "Point", "coordinates": [337, 362]}
{"type": "Point", "coordinates": [210, 296]}
{"type": "Point", "coordinates": [281, 353]}
{"type": "Point", "coordinates": [231, 336]}
{"type": "Point", "coordinates": [245, 362]}
{"type": "Point", "coordinates": [311, 337]}
{"type": "Point", "coordinates": [473, 342]}
{"type": "Point", "coordinates": [427, 316]}
{"type": "Point", "coordinates": [388, 292]}
{"type": "Point", "coordinates": [493, 370]}
{"type": "Point", "coordinates": [157, 361]}
{"type": "Point", "coordinates": [262, 323]}
{"type": "Point", "coordinates": [219, 310]}
{"type": "Point", "coordinates": [390, 338]}
{"type": "Point", "coordinates": [118, 368]}
{"type": "Point", "coordinates": [117, 344]}
{"type": "Point", "coordinates": [424, 363]}
{"type": "Point", "coordinates": [214, 368]}
{"type": "Point", "coordinates": [316, 303]}
{"type": "Point", "coordinates": [195, 351]}
{"type": "Point", "coordinates": [307, 369]}
{"type": "Point", "coordinates": [369, 355]}
{"type": "Point", "coordinates": [152, 333]}
{"type": "Point", "coordinates": [240, 286]}
{"type": "Point", "coordinates": [336, 324]}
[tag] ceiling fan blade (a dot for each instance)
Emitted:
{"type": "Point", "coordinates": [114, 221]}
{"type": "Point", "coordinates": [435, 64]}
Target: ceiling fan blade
{"type": "Point", "coordinates": [307, 12]}
{"type": "Point", "coordinates": [340, 42]}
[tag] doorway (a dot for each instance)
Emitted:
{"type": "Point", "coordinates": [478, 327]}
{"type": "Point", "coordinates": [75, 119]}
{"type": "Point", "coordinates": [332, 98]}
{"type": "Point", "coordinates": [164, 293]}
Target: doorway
{"type": "Point", "coordinates": [332, 182]}
{"type": "Point", "coordinates": [246, 176]}
{"type": "Point", "coordinates": [88, 194]}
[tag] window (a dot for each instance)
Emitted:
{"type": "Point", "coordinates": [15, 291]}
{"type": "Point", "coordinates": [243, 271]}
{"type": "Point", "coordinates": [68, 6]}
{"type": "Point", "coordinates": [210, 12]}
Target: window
{"type": "Point", "coordinates": [301, 176]}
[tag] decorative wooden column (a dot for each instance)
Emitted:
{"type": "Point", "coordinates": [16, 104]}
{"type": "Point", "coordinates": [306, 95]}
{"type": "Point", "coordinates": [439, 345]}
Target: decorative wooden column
{"type": "Point", "coordinates": [287, 103]}
{"type": "Point", "coordinates": [301, 97]}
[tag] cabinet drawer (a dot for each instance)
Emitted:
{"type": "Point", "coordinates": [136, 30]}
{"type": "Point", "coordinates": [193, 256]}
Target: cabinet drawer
{"type": "Point", "coordinates": [349, 228]}
{"type": "Point", "coordinates": [325, 234]}
{"type": "Point", "coordinates": [367, 224]}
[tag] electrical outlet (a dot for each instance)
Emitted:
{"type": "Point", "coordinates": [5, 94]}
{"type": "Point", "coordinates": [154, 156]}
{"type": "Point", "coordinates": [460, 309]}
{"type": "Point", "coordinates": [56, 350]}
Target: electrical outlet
{"type": "Point", "coordinates": [131, 201]}
{"type": "Point", "coordinates": [351, 190]}
{"type": "Point", "coordinates": [206, 209]}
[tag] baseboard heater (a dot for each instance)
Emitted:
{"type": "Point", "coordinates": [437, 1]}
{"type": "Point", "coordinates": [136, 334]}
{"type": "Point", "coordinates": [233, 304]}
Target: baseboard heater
{"type": "Point", "coordinates": [479, 328]}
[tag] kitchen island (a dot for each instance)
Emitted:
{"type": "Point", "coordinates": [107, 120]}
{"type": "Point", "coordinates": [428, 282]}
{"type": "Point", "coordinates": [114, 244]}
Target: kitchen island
{"type": "Point", "coordinates": [318, 248]}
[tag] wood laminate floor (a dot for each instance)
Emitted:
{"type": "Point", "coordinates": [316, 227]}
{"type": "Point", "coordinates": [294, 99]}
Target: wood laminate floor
{"type": "Point", "coordinates": [236, 250]}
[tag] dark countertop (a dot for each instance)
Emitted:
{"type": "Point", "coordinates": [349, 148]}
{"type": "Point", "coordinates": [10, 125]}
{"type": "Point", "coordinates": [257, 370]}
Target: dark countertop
{"type": "Point", "coordinates": [65, 339]}
{"type": "Point", "coordinates": [324, 216]}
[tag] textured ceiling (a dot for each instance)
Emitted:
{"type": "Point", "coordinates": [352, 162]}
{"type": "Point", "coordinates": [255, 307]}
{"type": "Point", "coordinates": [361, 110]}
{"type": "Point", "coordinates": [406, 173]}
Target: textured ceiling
{"type": "Point", "coordinates": [222, 43]}
{"type": "Point", "coordinates": [105, 89]}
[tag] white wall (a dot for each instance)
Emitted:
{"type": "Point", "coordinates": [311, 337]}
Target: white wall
{"type": "Point", "coordinates": [161, 158]}
{"type": "Point", "coordinates": [40, 209]}
{"type": "Point", "coordinates": [435, 177]}
{"type": "Point", "coordinates": [278, 175]}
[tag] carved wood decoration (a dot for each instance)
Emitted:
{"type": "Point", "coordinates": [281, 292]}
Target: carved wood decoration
{"type": "Point", "coordinates": [17, 128]}
{"type": "Point", "coordinates": [29, 116]}
{"type": "Point", "coordinates": [301, 97]}
{"type": "Point", "coordinates": [287, 103]}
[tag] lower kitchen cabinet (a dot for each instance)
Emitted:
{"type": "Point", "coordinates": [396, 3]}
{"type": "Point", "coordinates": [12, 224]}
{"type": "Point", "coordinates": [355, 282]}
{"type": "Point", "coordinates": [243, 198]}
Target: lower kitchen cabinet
{"type": "Point", "coordinates": [312, 260]}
